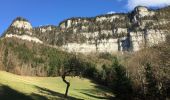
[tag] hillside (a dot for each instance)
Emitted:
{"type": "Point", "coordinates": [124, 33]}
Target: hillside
{"type": "Point", "coordinates": [34, 59]}
{"type": "Point", "coordinates": [129, 53]}
{"type": "Point", "coordinates": [119, 32]}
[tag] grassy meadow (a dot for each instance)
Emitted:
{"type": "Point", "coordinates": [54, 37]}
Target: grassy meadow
{"type": "Point", "coordinates": [15, 87]}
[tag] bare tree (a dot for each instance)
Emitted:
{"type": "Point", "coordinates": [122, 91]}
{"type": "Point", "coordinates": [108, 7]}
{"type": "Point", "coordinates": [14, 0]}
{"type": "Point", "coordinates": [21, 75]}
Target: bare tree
{"type": "Point", "coordinates": [72, 67]}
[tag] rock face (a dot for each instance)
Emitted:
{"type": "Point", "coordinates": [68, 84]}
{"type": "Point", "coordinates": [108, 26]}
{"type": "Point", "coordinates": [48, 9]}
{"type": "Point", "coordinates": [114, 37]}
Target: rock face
{"type": "Point", "coordinates": [143, 11]}
{"type": "Point", "coordinates": [22, 24]}
{"type": "Point", "coordinates": [22, 29]}
{"type": "Point", "coordinates": [107, 33]}
{"type": "Point", "coordinates": [24, 37]}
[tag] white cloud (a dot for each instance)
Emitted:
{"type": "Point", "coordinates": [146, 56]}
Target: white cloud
{"type": "Point", "coordinates": [149, 3]}
{"type": "Point", "coordinates": [111, 12]}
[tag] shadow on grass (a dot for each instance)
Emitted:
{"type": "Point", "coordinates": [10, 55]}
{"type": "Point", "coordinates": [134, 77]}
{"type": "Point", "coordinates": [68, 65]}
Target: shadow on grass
{"type": "Point", "coordinates": [99, 92]}
{"type": "Point", "coordinates": [7, 93]}
{"type": "Point", "coordinates": [54, 94]}
{"type": "Point", "coordinates": [97, 97]}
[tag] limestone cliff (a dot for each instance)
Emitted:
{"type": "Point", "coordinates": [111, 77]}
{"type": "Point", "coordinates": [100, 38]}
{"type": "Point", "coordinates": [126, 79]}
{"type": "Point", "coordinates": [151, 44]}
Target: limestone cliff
{"type": "Point", "coordinates": [106, 33]}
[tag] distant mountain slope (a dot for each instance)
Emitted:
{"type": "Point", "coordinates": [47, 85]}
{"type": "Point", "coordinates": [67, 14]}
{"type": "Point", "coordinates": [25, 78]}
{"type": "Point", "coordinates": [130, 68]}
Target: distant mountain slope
{"type": "Point", "coordinates": [134, 46]}
{"type": "Point", "coordinates": [107, 33]}
{"type": "Point", "coordinates": [35, 59]}
{"type": "Point", "coordinates": [28, 58]}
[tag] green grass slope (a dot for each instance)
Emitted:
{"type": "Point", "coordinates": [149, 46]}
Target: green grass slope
{"type": "Point", "coordinates": [14, 87]}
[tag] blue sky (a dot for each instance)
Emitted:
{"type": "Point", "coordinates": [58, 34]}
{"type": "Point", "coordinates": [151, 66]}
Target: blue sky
{"type": "Point", "coordinates": [43, 12]}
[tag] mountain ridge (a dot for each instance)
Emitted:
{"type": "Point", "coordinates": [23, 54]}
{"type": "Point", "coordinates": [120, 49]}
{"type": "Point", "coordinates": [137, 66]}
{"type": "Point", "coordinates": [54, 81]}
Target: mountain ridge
{"type": "Point", "coordinates": [119, 32]}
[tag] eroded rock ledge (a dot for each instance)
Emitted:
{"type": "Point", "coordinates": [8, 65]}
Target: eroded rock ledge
{"type": "Point", "coordinates": [107, 33]}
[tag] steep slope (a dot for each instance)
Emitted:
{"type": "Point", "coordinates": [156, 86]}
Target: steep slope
{"type": "Point", "coordinates": [22, 29]}
{"type": "Point", "coordinates": [34, 59]}
{"type": "Point", "coordinates": [28, 58]}
{"type": "Point", "coordinates": [116, 32]}
{"type": "Point", "coordinates": [107, 33]}
{"type": "Point", "coordinates": [158, 58]}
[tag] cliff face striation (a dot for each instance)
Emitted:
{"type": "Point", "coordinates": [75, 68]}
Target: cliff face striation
{"type": "Point", "coordinates": [107, 33]}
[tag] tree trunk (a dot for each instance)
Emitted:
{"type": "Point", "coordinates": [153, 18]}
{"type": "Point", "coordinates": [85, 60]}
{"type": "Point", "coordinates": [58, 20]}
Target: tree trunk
{"type": "Point", "coordinates": [68, 84]}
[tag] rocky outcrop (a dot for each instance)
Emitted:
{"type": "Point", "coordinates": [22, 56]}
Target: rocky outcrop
{"type": "Point", "coordinates": [107, 33]}
{"type": "Point", "coordinates": [24, 37]}
{"type": "Point", "coordinates": [142, 11]}
{"type": "Point", "coordinates": [20, 23]}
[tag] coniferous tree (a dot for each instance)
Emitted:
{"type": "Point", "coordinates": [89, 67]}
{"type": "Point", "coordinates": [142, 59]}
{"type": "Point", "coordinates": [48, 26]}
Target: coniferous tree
{"type": "Point", "coordinates": [121, 83]}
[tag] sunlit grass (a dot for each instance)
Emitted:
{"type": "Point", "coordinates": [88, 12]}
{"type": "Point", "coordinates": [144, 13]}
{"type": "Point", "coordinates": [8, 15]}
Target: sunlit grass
{"type": "Point", "coordinates": [80, 88]}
